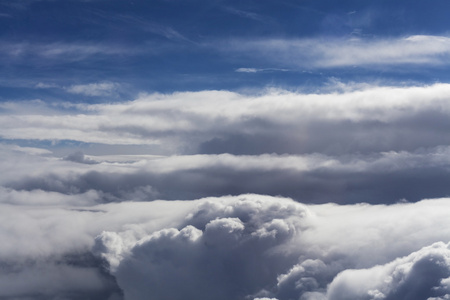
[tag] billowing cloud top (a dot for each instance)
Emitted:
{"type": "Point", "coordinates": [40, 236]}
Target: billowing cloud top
{"type": "Point", "coordinates": [93, 225]}
{"type": "Point", "coordinates": [249, 246]}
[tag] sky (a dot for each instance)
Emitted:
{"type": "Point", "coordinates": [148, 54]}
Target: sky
{"type": "Point", "coordinates": [235, 150]}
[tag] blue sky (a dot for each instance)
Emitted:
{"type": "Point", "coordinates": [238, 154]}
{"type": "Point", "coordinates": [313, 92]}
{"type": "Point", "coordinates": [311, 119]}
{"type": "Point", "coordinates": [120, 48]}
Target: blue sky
{"type": "Point", "coordinates": [227, 150]}
{"type": "Point", "coordinates": [166, 46]}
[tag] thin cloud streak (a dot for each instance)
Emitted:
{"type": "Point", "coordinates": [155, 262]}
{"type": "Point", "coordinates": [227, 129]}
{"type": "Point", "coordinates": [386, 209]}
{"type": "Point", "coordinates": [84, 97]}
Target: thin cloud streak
{"type": "Point", "coordinates": [94, 89]}
{"type": "Point", "coordinates": [335, 53]}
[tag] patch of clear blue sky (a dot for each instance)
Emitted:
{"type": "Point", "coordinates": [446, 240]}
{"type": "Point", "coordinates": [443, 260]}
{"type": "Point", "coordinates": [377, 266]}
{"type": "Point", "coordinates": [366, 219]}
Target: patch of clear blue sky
{"type": "Point", "coordinates": [176, 45]}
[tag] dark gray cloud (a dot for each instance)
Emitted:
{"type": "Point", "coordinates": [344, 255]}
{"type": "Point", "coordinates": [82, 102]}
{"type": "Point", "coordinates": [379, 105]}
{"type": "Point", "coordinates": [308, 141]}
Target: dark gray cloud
{"type": "Point", "coordinates": [72, 276]}
{"type": "Point", "coordinates": [79, 157]}
{"type": "Point", "coordinates": [373, 178]}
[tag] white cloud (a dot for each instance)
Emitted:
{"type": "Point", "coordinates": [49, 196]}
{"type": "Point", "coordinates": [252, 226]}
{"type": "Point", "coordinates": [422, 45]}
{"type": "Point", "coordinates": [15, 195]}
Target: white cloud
{"type": "Point", "coordinates": [248, 70]}
{"type": "Point", "coordinates": [270, 247]}
{"type": "Point", "coordinates": [228, 253]}
{"type": "Point", "coordinates": [395, 145]}
{"type": "Point", "coordinates": [332, 52]}
{"type": "Point", "coordinates": [94, 89]}
{"type": "Point", "coordinates": [42, 85]}
{"type": "Point", "coordinates": [294, 122]}
{"type": "Point", "coordinates": [255, 70]}
{"type": "Point", "coordinates": [420, 275]}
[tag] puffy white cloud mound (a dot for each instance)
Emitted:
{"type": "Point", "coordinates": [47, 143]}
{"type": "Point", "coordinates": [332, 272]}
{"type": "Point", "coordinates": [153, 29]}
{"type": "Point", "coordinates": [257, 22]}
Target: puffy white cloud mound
{"type": "Point", "coordinates": [228, 248]}
{"type": "Point", "coordinates": [424, 274]}
{"type": "Point", "coordinates": [261, 247]}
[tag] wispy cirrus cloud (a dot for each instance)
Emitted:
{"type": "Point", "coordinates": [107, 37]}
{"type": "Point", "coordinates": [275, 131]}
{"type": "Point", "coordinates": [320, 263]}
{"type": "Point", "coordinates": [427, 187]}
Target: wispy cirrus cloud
{"type": "Point", "coordinates": [93, 89]}
{"type": "Point", "coordinates": [35, 54]}
{"type": "Point", "coordinates": [346, 52]}
{"type": "Point", "coordinates": [256, 70]}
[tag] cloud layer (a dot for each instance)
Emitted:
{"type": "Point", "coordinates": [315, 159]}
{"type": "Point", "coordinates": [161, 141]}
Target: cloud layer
{"type": "Point", "coordinates": [223, 150]}
{"type": "Point", "coordinates": [345, 120]}
{"type": "Point", "coordinates": [243, 247]}
{"type": "Point", "coordinates": [253, 246]}
{"type": "Point", "coordinates": [95, 225]}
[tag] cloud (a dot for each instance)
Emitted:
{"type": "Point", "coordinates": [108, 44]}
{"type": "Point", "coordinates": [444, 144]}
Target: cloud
{"type": "Point", "coordinates": [258, 247]}
{"type": "Point", "coordinates": [253, 246]}
{"type": "Point", "coordinates": [93, 89]}
{"type": "Point", "coordinates": [68, 52]}
{"type": "Point", "coordinates": [373, 144]}
{"type": "Point", "coordinates": [255, 70]}
{"type": "Point", "coordinates": [363, 120]}
{"type": "Point", "coordinates": [56, 280]}
{"type": "Point", "coordinates": [421, 275]}
{"type": "Point", "coordinates": [247, 70]}
{"type": "Point", "coordinates": [45, 250]}
{"type": "Point", "coordinates": [231, 243]}
{"type": "Point", "coordinates": [314, 178]}
{"type": "Point", "coordinates": [42, 85]}
{"type": "Point", "coordinates": [247, 14]}
{"type": "Point", "coordinates": [79, 157]}
{"type": "Point", "coordinates": [335, 52]}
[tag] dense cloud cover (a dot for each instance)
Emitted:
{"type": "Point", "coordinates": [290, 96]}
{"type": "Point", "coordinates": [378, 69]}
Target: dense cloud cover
{"type": "Point", "coordinates": [359, 144]}
{"type": "Point", "coordinates": [335, 213]}
{"type": "Point", "coordinates": [229, 150]}
{"type": "Point", "coordinates": [244, 247]}
{"type": "Point", "coordinates": [346, 119]}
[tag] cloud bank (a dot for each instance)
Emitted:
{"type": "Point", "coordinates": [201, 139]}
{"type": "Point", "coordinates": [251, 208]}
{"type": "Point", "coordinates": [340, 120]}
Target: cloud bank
{"type": "Point", "coordinates": [233, 247]}
{"type": "Point", "coordinates": [346, 120]}
{"type": "Point", "coordinates": [282, 195]}
{"type": "Point", "coordinates": [251, 247]}
{"type": "Point", "coordinates": [353, 144]}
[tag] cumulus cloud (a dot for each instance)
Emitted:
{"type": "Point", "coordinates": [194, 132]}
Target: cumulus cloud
{"type": "Point", "coordinates": [259, 247]}
{"type": "Point", "coordinates": [45, 250]}
{"type": "Point", "coordinates": [234, 247]}
{"type": "Point", "coordinates": [421, 275]}
{"type": "Point", "coordinates": [105, 226]}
